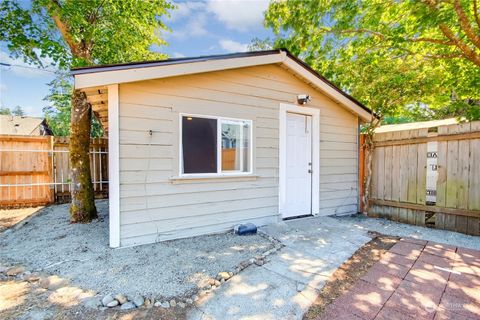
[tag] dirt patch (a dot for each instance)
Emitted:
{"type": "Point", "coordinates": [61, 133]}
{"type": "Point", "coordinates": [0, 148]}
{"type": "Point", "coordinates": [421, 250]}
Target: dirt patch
{"type": "Point", "coordinates": [10, 217]}
{"type": "Point", "coordinates": [349, 272]}
{"type": "Point", "coordinates": [24, 300]}
{"type": "Point", "coordinates": [79, 253]}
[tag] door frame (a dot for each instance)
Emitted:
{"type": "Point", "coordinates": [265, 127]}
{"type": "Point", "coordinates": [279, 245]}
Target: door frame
{"type": "Point", "coordinates": [315, 114]}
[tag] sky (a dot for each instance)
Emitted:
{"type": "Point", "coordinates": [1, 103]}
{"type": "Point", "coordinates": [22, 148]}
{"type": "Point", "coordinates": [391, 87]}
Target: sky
{"type": "Point", "coordinates": [197, 28]}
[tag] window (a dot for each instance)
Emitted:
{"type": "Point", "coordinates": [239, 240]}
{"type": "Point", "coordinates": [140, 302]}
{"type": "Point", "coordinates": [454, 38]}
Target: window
{"type": "Point", "coordinates": [215, 145]}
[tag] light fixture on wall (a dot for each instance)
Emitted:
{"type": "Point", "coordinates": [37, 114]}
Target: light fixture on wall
{"type": "Point", "coordinates": [303, 98]}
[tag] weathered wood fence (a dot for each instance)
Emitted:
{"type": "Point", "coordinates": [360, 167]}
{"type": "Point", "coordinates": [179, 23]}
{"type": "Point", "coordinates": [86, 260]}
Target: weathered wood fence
{"type": "Point", "coordinates": [36, 170]}
{"type": "Point", "coordinates": [428, 176]}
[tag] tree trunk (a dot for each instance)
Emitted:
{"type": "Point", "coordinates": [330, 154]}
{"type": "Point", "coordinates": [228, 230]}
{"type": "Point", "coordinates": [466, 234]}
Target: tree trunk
{"type": "Point", "coordinates": [82, 209]}
{"type": "Point", "coordinates": [368, 176]}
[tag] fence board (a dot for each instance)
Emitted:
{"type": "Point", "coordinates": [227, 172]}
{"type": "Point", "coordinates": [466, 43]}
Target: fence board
{"type": "Point", "coordinates": [32, 170]}
{"type": "Point", "coordinates": [400, 174]}
{"type": "Point", "coordinates": [36, 171]}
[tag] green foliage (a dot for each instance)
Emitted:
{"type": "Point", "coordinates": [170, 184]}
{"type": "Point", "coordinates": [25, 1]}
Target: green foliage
{"type": "Point", "coordinates": [72, 33]}
{"type": "Point", "coordinates": [17, 111]}
{"type": "Point", "coordinates": [391, 55]}
{"type": "Point", "coordinates": [5, 111]}
{"type": "Point", "coordinates": [86, 32]}
{"type": "Point", "coordinates": [58, 113]}
{"type": "Point", "coordinates": [258, 44]}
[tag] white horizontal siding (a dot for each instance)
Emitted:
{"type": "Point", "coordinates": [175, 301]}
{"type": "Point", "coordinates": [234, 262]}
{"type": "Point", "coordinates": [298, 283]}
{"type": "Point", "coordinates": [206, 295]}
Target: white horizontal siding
{"type": "Point", "coordinates": [154, 209]}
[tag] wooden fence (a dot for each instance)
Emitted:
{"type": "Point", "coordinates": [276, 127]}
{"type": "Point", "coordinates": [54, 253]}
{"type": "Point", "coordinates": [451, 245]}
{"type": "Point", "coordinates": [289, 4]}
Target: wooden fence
{"type": "Point", "coordinates": [428, 176]}
{"type": "Point", "coordinates": [36, 170]}
{"type": "Point", "coordinates": [25, 170]}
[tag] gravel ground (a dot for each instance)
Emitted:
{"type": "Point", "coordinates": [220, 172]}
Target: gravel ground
{"type": "Point", "coordinates": [80, 253]}
{"type": "Point", "coordinates": [393, 228]}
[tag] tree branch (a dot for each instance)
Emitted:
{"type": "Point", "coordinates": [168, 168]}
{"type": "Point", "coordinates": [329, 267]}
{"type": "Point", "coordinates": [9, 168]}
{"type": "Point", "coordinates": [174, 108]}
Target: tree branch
{"type": "Point", "coordinates": [433, 40]}
{"type": "Point", "coordinates": [372, 32]}
{"type": "Point", "coordinates": [476, 13]}
{"type": "Point", "coordinates": [53, 8]}
{"type": "Point", "coordinates": [465, 24]}
{"type": "Point", "coordinates": [467, 52]}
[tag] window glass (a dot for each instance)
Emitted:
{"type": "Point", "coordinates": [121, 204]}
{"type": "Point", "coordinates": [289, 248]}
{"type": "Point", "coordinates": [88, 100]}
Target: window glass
{"type": "Point", "coordinates": [199, 145]}
{"type": "Point", "coordinates": [235, 145]}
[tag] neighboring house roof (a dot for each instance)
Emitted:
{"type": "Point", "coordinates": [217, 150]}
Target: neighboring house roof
{"type": "Point", "coordinates": [416, 125]}
{"type": "Point", "coordinates": [25, 126]}
{"type": "Point", "coordinates": [103, 75]}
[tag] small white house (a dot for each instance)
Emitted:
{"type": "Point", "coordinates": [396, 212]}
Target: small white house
{"type": "Point", "coordinates": [198, 145]}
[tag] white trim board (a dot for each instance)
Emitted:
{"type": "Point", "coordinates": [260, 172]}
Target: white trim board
{"type": "Point", "coordinates": [113, 166]}
{"type": "Point", "coordinates": [315, 113]}
{"type": "Point", "coordinates": [106, 77]}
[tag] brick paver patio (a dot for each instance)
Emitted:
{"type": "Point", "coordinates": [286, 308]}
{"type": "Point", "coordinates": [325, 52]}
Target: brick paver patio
{"type": "Point", "coordinates": [415, 279]}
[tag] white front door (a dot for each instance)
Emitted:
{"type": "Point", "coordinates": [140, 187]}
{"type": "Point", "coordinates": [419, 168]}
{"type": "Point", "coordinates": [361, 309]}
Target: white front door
{"type": "Point", "coordinates": [298, 197]}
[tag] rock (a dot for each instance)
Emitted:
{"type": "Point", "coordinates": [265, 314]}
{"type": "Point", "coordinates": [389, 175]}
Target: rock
{"type": "Point", "coordinates": [138, 301]}
{"type": "Point", "coordinates": [121, 298]}
{"type": "Point", "coordinates": [112, 304]}
{"type": "Point", "coordinates": [224, 275]}
{"type": "Point", "coordinates": [211, 281]}
{"type": "Point", "coordinates": [165, 304]}
{"type": "Point", "coordinates": [244, 264]}
{"type": "Point", "coordinates": [300, 287]}
{"type": "Point", "coordinates": [259, 262]}
{"type": "Point", "coordinates": [251, 261]}
{"type": "Point", "coordinates": [207, 287]}
{"type": "Point", "coordinates": [44, 282]}
{"type": "Point", "coordinates": [31, 278]}
{"type": "Point", "coordinates": [195, 298]}
{"type": "Point", "coordinates": [128, 305]}
{"type": "Point", "coordinates": [230, 274]}
{"type": "Point", "coordinates": [52, 282]}
{"type": "Point", "coordinates": [13, 271]}
{"type": "Point", "coordinates": [222, 280]}
{"type": "Point", "coordinates": [181, 305]}
{"type": "Point", "coordinates": [147, 302]}
{"type": "Point", "coordinates": [217, 283]}
{"type": "Point", "coordinates": [188, 301]}
{"type": "Point", "coordinates": [93, 303]}
{"type": "Point", "coordinates": [173, 303]}
{"type": "Point", "coordinates": [107, 299]}
{"type": "Point", "coordinates": [157, 304]}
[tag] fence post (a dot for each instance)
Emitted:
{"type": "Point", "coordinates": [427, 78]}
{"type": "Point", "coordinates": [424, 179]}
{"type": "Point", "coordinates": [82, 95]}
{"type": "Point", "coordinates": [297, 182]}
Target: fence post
{"type": "Point", "coordinates": [361, 171]}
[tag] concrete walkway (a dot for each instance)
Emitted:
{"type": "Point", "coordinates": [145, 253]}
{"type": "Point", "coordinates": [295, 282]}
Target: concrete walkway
{"type": "Point", "coordinates": [289, 282]}
{"type": "Point", "coordinates": [285, 286]}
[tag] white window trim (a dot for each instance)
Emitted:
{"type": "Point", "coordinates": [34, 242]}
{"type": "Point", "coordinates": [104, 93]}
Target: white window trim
{"type": "Point", "coordinates": [219, 172]}
{"type": "Point", "coordinates": [315, 113]}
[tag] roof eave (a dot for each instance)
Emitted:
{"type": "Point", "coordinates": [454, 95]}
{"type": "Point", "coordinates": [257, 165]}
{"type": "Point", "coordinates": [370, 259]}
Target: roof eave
{"type": "Point", "coordinates": [97, 76]}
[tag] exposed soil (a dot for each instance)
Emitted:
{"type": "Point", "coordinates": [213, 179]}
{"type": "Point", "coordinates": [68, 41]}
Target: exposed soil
{"type": "Point", "coordinates": [10, 217]}
{"type": "Point", "coordinates": [24, 300]}
{"type": "Point", "coordinates": [349, 272]}
{"type": "Point", "coordinates": [79, 253]}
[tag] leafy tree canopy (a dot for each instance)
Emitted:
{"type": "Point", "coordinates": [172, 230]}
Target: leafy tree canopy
{"type": "Point", "coordinates": [78, 33]}
{"type": "Point", "coordinates": [58, 112]}
{"type": "Point", "coordinates": [17, 111]}
{"type": "Point", "coordinates": [411, 59]}
{"type": "Point", "coordinates": [68, 33]}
